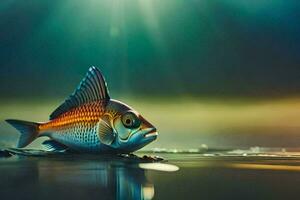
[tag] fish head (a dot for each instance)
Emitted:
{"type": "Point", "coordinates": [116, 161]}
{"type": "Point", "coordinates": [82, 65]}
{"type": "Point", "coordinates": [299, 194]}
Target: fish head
{"type": "Point", "coordinates": [133, 131]}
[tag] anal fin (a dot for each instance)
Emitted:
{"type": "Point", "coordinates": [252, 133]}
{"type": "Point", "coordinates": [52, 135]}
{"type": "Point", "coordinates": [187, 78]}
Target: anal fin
{"type": "Point", "coordinates": [52, 145]}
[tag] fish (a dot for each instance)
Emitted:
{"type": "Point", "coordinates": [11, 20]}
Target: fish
{"type": "Point", "coordinates": [90, 121]}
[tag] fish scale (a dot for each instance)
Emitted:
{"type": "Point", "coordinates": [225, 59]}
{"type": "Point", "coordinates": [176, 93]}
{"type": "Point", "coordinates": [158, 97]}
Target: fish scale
{"type": "Point", "coordinates": [76, 128]}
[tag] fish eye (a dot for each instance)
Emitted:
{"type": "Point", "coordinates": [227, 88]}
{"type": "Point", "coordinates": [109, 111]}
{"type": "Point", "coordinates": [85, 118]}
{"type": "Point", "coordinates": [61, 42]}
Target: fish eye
{"type": "Point", "coordinates": [130, 120]}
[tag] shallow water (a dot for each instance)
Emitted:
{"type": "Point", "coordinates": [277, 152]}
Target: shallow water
{"type": "Point", "coordinates": [209, 175]}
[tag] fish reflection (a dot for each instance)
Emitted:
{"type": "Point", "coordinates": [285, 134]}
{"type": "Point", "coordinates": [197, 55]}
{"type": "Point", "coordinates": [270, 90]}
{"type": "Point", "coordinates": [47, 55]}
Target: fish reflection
{"type": "Point", "coordinates": [77, 179]}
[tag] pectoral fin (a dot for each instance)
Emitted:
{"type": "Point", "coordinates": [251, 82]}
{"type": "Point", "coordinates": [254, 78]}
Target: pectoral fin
{"type": "Point", "coordinates": [105, 132]}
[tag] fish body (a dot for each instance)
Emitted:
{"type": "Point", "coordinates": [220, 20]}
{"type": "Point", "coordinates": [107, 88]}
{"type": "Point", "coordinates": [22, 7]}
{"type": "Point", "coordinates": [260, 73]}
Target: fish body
{"type": "Point", "coordinates": [76, 128]}
{"type": "Point", "coordinates": [90, 121]}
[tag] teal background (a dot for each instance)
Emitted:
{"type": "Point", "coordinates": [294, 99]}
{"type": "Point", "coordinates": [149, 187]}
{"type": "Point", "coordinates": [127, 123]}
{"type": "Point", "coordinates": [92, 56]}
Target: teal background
{"type": "Point", "coordinates": [164, 48]}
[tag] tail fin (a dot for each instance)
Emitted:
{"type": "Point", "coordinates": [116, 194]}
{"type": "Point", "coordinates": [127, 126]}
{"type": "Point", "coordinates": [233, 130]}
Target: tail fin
{"type": "Point", "coordinates": [28, 130]}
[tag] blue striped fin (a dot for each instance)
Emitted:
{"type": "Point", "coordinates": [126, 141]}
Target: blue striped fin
{"type": "Point", "coordinates": [52, 145]}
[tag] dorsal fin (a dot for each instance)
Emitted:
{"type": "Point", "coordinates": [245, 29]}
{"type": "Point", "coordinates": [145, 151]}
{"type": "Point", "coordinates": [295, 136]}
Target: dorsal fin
{"type": "Point", "coordinates": [92, 88]}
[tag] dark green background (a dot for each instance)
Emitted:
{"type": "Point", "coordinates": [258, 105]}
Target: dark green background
{"type": "Point", "coordinates": [169, 47]}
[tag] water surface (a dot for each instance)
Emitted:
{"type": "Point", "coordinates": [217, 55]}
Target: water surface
{"type": "Point", "coordinates": [210, 175]}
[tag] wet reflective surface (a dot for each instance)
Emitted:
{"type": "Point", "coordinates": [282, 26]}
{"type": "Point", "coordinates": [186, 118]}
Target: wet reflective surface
{"type": "Point", "coordinates": [76, 177]}
{"type": "Point", "coordinates": [223, 175]}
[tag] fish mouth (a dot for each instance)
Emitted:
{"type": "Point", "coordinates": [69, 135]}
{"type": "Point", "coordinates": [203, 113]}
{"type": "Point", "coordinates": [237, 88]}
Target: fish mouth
{"type": "Point", "coordinates": [151, 133]}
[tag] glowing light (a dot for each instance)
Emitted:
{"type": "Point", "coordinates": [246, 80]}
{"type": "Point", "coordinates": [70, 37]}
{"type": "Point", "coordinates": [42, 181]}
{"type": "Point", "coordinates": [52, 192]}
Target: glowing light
{"type": "Point", "coordinates": [159, 167]}
{"type": "Point", "coordinates": [148, 192]}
